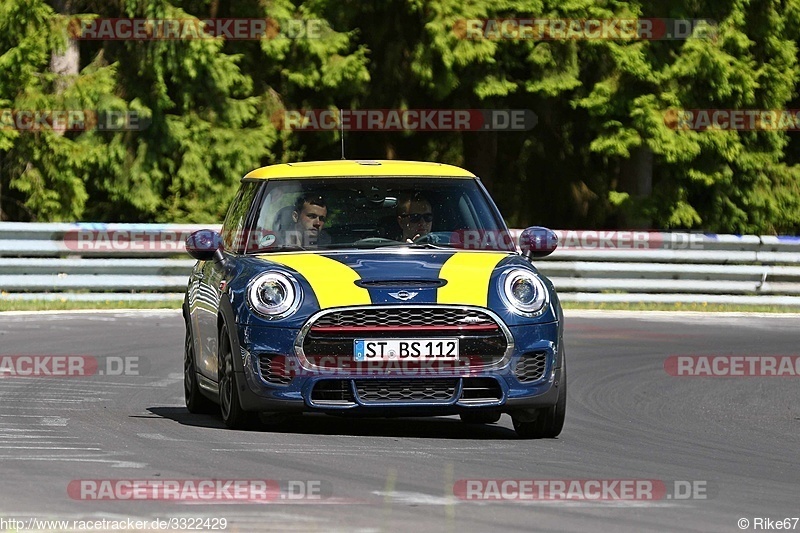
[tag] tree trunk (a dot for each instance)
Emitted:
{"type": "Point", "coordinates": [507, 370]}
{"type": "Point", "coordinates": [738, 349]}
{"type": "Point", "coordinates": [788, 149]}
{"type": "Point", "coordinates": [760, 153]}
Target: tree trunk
{"type": "Point", "coordinates": [67, 62]}
{"type": "Point", "coordinates": [480, 155]}
{"type": "Point", "coordinates": [636, 178]}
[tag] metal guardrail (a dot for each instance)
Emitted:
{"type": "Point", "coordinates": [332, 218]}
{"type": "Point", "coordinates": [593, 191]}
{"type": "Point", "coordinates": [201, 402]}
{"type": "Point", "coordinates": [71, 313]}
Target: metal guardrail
{"type": "Point", "coordinates": [148, 262]}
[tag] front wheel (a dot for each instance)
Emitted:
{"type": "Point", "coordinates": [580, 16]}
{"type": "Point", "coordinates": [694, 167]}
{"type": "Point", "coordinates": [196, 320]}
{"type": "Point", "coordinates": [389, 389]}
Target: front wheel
{"type": "Point", "coordinates": [547, 422]}
{"type": "Point", "coordinates": [233, 416]}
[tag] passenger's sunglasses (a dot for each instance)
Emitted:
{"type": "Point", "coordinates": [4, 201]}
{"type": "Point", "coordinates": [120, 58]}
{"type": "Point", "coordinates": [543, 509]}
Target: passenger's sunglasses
{"type": "Point", "coordinates": [416, 217]}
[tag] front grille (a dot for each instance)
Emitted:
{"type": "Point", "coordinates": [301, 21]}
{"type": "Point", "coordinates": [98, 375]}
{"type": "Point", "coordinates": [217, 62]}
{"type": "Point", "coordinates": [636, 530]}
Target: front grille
{"type": "Point", "coordinates": [330, 336]}
{"type": "Point", "coordinates": [386, 317]}
{"type": "Point", "coordinates": [333, 392]}
{"type": "Point", "coordinates": [530, 367]}
{"type": "Point", "coordinates": [406, 390]}
{"type": "Point", "coordinates": [273, 369]}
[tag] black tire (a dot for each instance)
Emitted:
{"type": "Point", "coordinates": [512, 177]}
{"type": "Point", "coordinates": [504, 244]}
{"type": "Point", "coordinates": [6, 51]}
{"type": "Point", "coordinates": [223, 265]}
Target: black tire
{"type": "Point", "coordinates": [549, 420]}
{"type": "Point", "coordinates": [233, 416]}
{"type": "Point", "coordinates": [195, 401]}
{"type": "Point", "coordinates": [480, 417]}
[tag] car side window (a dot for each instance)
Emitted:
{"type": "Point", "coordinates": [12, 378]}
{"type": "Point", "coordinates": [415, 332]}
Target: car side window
{"type": "Point", "coordinates": [233, 229]}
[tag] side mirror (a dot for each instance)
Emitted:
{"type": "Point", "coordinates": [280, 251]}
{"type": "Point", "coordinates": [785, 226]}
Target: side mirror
{"type": "Point", "coordinates": [205, 245]}
{"type": "Point", "coordinates": [537, 241]}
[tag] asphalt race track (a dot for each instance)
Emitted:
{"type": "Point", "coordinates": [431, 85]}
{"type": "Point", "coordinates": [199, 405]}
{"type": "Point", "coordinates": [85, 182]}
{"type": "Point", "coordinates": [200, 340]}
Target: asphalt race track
{"type": "Point", "coordinates": [734, 440]}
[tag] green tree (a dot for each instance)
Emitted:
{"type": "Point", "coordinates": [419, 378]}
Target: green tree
{"type": "Point", "coordinates": [723, 181]}
{"type": "Point", "coordinates": [601, 155]}
{"type": "Point", "coordinates": [207, 122]}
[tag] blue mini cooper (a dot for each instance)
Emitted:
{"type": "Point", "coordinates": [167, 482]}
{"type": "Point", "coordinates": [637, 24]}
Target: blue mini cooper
{"type": "Point", "coordinates": [372, 288]}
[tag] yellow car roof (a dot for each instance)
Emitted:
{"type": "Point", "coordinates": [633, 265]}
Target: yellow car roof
{"type": "Point", "coordinates": [346, 168]}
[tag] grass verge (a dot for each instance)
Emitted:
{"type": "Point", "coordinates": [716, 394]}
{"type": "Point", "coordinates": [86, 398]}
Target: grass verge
{"type": "Point", "coordinates": [65, 305]}
{"type": "Point", "coordinates": [701, 307]}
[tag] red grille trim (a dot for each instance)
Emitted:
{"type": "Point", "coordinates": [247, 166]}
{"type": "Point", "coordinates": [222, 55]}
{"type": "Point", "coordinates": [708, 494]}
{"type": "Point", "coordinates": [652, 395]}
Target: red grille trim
{"type": "Point", "coordinates": [351, 329]}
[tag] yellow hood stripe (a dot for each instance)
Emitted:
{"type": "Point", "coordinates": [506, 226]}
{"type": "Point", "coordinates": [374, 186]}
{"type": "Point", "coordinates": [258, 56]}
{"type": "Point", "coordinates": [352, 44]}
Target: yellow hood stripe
{"type": "Point", "coordinates": [331, 280]}
{"type": "Point", "coordinates": [467, 275]}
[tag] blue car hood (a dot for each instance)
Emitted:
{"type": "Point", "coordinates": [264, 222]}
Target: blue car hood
{"type": "Point", "coordinates": [414, 276]}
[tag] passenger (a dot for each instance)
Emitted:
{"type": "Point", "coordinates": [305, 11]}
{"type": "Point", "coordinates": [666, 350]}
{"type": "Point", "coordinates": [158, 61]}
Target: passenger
{"type": "Point", "coordinates": [414, 216]}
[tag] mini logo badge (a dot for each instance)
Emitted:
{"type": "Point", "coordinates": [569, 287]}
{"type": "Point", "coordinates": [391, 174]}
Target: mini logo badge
{"type": "Point", "coordinates": [403, 295]}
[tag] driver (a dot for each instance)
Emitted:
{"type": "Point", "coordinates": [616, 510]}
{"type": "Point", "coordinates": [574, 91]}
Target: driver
{"type": "Point", "coordinates": [414, 216]}
{"type": "Point", "coordinates": [309, 216]}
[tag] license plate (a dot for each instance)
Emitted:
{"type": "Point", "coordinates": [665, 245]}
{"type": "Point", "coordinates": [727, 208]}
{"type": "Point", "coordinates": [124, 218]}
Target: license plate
{"type": "Point", "coordinates": [405, 349]}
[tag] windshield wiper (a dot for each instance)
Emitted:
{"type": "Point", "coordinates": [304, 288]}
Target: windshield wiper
{"type": "Point", "coordinates": [420, 246]}
{"type": "Point", "coordinates": [272, 249]}
{"type": "Point", "coordinates": [430, 245]}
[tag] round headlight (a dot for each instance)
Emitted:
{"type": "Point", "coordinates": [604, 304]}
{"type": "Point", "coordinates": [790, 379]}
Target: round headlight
{"type": "Point", "coordinates": [525, 292]}
{"type": "Point", "coordinates": [272, 294]}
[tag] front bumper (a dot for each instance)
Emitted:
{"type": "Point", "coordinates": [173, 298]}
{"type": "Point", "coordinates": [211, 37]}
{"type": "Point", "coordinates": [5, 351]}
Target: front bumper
{"type": "Point", "coordinates": [382, 393]}
{"type": "Point", "coordinates": [541, 395]}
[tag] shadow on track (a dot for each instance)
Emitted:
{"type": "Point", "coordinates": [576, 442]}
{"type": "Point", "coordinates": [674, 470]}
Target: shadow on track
{"type": "Point", "coordinates": [183, 416]}
{"type": "Point", "coordinates": [319, 424]}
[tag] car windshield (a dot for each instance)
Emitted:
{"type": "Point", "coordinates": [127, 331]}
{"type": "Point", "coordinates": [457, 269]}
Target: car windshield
{"type": "Point", "coordinates": [364, 213]}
